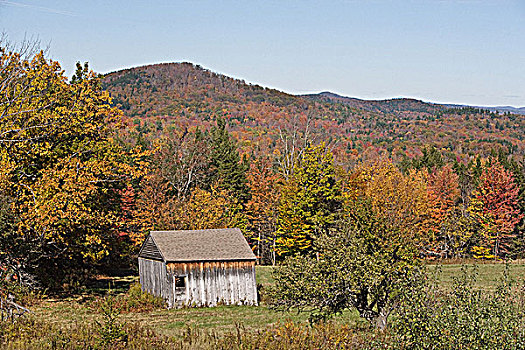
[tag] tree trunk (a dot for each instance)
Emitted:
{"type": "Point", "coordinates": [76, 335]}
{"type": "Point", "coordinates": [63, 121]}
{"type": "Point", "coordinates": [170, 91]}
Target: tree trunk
{"type": "Point", "coordinates": [376, 319]}
{"type": "Point", "coordinates": [381, 321]}
{"type": "Point", "coordinates": [273, 252]}
{"type": "Point", "coordinates": [259, 246]}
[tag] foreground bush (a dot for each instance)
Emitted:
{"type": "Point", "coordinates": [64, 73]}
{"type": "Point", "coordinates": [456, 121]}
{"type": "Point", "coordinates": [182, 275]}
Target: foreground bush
{"type": "Point", "coordinates": [134, 300]}
{"type": "Point", "coordinates": [463, 318]}
{"type": "Point", "coordinates": [297, 336]}
{"type": "Point", "coordinates": [107, 331]}
{"type": "Point", "coordinates": [29, 333]}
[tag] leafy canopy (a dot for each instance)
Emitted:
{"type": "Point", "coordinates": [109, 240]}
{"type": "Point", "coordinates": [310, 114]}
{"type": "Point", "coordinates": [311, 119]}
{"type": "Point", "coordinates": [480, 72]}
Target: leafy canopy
{"type": "Point", "coordinates": [311, 201]}
{"type": "Point", "coordinates": [60, 166]}
{"type": "Point", "coordinates": [363, 264]}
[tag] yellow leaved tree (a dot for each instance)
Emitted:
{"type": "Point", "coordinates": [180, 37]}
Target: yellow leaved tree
{"type": "Point", "coordinates": [61, 169]}
{"type": "Point", "coordinates": [400, 200]}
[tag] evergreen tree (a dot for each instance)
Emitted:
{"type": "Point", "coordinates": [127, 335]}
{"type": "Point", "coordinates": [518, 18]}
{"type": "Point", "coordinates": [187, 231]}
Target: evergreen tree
{"type": "Point", "coordinates": [227, 169]}
{"type": "Point", "coordinates": [430, 159]}
{"type": "Point", "coordinates": [81, 73]}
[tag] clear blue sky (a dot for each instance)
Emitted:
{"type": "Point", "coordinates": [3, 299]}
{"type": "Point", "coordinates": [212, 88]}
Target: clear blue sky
{"type": "Point", "coordinates": [470, 52]}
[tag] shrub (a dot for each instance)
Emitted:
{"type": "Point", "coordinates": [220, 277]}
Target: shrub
{"type": "Point", "coordinates": [295, 336]}
{"type": "Point", "coordinates": [12, 289]}
{"type": "Point", "coordinates": [135, 300]}
{"type": "Point", "coordinates": [463, 318]}
{"type": "Point", "coordinates": [30, 333]}
{"type": "Point", "coordinates": [110, 330]}
{"type": "Point", "coordinates": [138, 301]}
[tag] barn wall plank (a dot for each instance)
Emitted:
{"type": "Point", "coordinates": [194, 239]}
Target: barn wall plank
{"type": "Point", "coordinates": [154, 279]}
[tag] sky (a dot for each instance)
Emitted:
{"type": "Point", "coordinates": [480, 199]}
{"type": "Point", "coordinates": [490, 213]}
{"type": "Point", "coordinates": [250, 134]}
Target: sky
{"type": "Point", "coordinates": [467, 52]}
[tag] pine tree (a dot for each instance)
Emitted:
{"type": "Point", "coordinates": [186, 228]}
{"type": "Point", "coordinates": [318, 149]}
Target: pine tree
{"type": "Point", "coordinates": [226, 167]}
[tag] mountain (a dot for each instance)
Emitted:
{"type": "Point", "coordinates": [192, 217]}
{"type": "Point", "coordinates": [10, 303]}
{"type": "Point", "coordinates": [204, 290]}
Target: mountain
{"type": "Point", "coordinates": [169, 98]}
{"type": "Point", "coordinates": [160, 89]}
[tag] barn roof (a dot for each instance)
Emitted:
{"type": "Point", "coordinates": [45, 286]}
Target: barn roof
{"type": "Point", "coordinates": [197, 245]}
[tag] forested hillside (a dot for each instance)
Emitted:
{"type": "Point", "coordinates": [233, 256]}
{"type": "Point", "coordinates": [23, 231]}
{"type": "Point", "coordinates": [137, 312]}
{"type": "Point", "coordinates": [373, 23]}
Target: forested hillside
{"type": "Point", "coordinates": [184, 95]}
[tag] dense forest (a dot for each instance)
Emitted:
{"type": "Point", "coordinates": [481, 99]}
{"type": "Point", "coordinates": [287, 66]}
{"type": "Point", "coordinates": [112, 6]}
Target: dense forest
{"type": "Point", "coordinates": [159, 97]}
{"type": "Point", "coordinates": [466, 162]}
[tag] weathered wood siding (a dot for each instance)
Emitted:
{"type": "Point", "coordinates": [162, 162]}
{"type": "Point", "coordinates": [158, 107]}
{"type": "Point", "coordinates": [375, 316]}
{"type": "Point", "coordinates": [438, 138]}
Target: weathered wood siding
{"type": "Point", "coordinates": [153, 277]}
{"type": "Point", "coordinates": [212, 283]}
{"type": "Point", "coordinates": [205, 283]}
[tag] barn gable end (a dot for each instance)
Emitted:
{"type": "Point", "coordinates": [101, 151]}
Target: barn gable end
{"type": "Point", "coordinates": [150, 250]}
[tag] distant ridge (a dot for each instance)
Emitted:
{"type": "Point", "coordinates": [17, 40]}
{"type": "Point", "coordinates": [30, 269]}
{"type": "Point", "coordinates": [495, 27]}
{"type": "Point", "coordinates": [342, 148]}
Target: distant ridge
{"type": "Point", "coordinates": [361, 103]}
{"type": "Point", "coordinates": [387, 106]}
{"type": "Point", "coordinates": [500, 109]}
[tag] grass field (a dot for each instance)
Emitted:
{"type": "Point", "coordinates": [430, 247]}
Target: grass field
{"type": "Point", "coordinates": [65, 311]}
{"type": "Point", "coordinates": [486, 275]}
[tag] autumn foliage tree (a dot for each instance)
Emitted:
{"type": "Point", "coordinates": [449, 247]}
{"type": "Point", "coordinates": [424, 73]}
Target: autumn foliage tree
{"type": "Point", "coordinates": [206, 209]}
{"type": "Point", "coordinates": [445, 236]}
{"type": "Point", "coordinates": [61, 168]}
{"type": "Point", "coordinates": [364, 263]}
{"type": "Point", "coordinates": [496, 202]}
{"type": "Point", "coordinates": [148, 208]}
{"type": "Point", "coordinates": [400, 200]}
{"type": "Point", "coordinates": [517, 168]}
{"type": "Point", "coordinates": [310, 203]}
{"type": "Point", "coordinates": [262, 208]}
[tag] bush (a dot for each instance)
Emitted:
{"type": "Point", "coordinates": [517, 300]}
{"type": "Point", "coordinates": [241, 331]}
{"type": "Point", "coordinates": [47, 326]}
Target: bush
{"type": "Point", "coordinates": [295, 336]}
{"type": "Point", "coordinates": [10, 286]}
{"type": "Point", "coordinates": [30, 333]}
{"type": "Point", "coordinates": [110, 330]}
{"type": "Point", "coordinates": [135, 300]}
{"type": "Point", "coordinates": [463, 318]}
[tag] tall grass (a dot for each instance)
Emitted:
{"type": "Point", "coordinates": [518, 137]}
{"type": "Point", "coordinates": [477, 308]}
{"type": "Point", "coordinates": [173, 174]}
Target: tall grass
{"type": "Point", "coordinates": [459, 314]}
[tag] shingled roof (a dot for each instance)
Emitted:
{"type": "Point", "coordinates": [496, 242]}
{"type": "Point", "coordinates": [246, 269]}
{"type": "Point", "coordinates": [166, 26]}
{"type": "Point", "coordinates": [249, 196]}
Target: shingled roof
{"type": "Point", "coordinates": [197, 245]}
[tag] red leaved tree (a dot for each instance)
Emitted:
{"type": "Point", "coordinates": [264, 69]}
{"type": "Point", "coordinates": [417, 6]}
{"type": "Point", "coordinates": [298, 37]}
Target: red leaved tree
{"type": "Point", "coordinates": [498, 195]}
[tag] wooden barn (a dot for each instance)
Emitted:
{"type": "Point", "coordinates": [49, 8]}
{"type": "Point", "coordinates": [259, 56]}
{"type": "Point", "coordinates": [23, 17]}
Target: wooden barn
{"type": "Point", "coordinates": [199, 267]}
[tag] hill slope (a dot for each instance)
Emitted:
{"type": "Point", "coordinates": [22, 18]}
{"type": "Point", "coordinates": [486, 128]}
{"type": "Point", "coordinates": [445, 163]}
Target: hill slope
{"type": "Point", "coordinates": [183, 95]}
{"type": "Point", "coordinates": [385, 106]}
